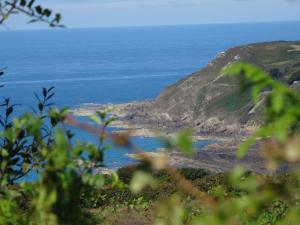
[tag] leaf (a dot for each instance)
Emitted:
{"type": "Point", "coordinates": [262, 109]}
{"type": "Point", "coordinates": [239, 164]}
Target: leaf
{"type": "Point", "coordinates": [44, 92]}
{"type": "Point", "coordinates": [95, 119]}
{"type": "Point", "coordinates": [39, 9]}
{"type": "Point", "coordinates": [281, 127]}
{"type": "Point", "coordinates": [96, 181]}
{"type": "Point", "coordinates": [47, 12]}
{"type": "Point", "coordinates": [141, 180]}
{"type": "Point", "coordinates": [102, 115]}
{"type": "Point", "coordinates": [9, 111]}
{"type": "Point", "coordinates": [236, 174]}
{"type": "Point", "coordinates": [50, 96]}
{"type": "Point", "coordinates": [60, 140]}
{"type": "Point", "coordinates": [22, 2]}
{"type": "Point", "coordinates": [185, 142]}
{"type": "Point", "coordinates": [32, 21]}
{"type": "Point", "coordinates": [99, 180]}
{"type": "Point", "coordinates": [109, 121]}
{"type": "Point", "coordinates": [41, 106]}
{"type": "Point", "coordinates": [30, 3]}
{"type": "Point", "coordinates": [51, 88]}
{"type": "Point", "coordinates": [7, 100]}
{"type": "Point", "coordinates": [116, 182]}
{"type": "Point", "coordinates": [57, 18]}
{"type": "Point", "coordinates": [277, 101]}
{"type": "Point", "coordinates": [243, 148]}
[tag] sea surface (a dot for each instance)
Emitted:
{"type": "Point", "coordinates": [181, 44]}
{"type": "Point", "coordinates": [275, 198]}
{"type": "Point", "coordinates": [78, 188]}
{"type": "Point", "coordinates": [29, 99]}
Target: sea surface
{"type": "Point", "coordinates": [118, 65]}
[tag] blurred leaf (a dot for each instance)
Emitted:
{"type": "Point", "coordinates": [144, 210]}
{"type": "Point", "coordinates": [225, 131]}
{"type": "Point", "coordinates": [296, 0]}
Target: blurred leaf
{"type": "Point", "coordinates": [95, 119]}
{"type": "Point", "coordinates": [39, 9]}
{"type": "Point", "coordinates": [30, 4]}
{"type": "Point", "coordinates": [141, 180]}
{"type": "Point", "coordinates": [185, 142]}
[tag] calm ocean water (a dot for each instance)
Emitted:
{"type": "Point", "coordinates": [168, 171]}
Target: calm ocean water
{"type": "Point", "coordinates": [117, 65]}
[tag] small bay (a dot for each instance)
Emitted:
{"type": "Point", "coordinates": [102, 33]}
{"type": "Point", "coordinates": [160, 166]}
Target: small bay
{"type": "Point", "coordinates": [118, 65]}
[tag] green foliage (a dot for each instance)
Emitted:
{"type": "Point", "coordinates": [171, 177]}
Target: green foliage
{"type": "Point", "coordinates": [40, 142]}
{"type": "Point", "coordinates": [22, 137]}
{"type": "Point", "coordinates": [67, 183]}
{"type": "Point", "coordinates": [34, 11]}
{"type": "Point", "coordinates": [243, 197]}
{"type": "Point", "coordinates": [141, 180]}
{"type": "Point", "coordinates": [182, 141]}
{"type": "Point", "coordinates": [232, 102]}
{"type": "Point", "coordinates": [282, 111]}
{"type": "Point", "coordinates": [294, 77]}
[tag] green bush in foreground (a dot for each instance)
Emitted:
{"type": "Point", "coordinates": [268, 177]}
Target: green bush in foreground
{"type": "Point", "coordinates": [155, 193]}
{"type": "Point", "coordinates": [67, 186]}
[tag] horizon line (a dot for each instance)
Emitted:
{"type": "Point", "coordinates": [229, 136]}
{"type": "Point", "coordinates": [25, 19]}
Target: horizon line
{"type": "Point", "coordinates": [149, 26]}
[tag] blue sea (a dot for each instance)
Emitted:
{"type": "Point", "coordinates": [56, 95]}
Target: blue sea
{"type": "Point", "coordinates": [118, 65]}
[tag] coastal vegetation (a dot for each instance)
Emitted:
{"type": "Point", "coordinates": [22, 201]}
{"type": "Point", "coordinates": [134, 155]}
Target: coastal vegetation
{"type": "Point", "coordinates": [209, 102]}
{"type": "Point", "coordinates": [68, 189]}
{"type": "Point", "coordinates": [208, 94]}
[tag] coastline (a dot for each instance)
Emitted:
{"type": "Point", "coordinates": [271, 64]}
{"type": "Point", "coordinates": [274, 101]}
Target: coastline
{"type": "Point", "coordinates": [219, 156]}
{"type": "Point", "coordinates": [133, 119]}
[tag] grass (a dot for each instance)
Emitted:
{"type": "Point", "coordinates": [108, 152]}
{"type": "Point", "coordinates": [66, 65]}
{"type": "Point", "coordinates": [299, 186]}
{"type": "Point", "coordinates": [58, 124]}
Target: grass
{"type": "Point", "coordinates": [231, 102]}
{"type": "Point", "coordinates": [115, 206]}
{"type": "Point", "coordinates": [294, 77]}
{"type": "Point", "coordinates": [121, 207]}
{"type": "Point", "coordinates": [279, 54]}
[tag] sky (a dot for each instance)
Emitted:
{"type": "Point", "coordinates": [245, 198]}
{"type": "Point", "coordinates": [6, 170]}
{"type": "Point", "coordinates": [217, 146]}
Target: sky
{"type": "Point", "coordinates": [119, 13]}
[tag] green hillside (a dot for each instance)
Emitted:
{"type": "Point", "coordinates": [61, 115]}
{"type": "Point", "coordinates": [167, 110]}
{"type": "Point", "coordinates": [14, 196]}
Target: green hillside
{"type": "Point", "coordinates": [209, 100]}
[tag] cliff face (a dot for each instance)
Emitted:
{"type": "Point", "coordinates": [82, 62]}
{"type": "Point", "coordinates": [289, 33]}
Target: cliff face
{"type": "Point", "coordinates": [209, 102]}
{"type": "Point", "coordinates": [207, 99]}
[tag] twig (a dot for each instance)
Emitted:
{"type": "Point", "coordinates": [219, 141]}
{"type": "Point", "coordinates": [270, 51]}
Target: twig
{"type": "Point", "coordinates": [183, 183]}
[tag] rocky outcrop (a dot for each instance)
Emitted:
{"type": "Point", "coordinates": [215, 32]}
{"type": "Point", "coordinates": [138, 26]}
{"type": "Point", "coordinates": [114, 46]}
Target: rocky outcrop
{"type": "Point", "coordinates": [209, 102]}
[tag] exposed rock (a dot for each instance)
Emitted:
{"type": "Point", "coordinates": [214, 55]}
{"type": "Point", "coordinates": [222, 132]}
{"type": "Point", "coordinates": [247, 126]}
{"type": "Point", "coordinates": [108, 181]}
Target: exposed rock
{"type": "Point", "coordinates": [209, 102]}
{"type": "Point", "coordinates": [212, 105]}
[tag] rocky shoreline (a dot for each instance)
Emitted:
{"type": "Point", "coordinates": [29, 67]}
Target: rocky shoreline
{"type": "Point", "coordinates": [218, 157]}
{"type": "Point", "coordinates": [212, 105]}
{"type": "Point", "coordinates": [141, 119]}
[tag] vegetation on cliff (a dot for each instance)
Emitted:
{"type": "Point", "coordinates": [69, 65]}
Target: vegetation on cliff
{"type": "Point", "coordinates": [209, 100]}
{"type": "Point", "coordinates": [68, 191]}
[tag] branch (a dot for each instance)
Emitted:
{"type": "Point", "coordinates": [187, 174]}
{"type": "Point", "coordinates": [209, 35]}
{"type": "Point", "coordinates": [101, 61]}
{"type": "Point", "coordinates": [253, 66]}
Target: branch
{"type": "Point", "coordinates": [37, 13]}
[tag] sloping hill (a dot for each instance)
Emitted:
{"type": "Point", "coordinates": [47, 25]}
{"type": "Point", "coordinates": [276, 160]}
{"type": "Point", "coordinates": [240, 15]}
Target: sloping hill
{"type": "Point", "coordinates": [208, 100]}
